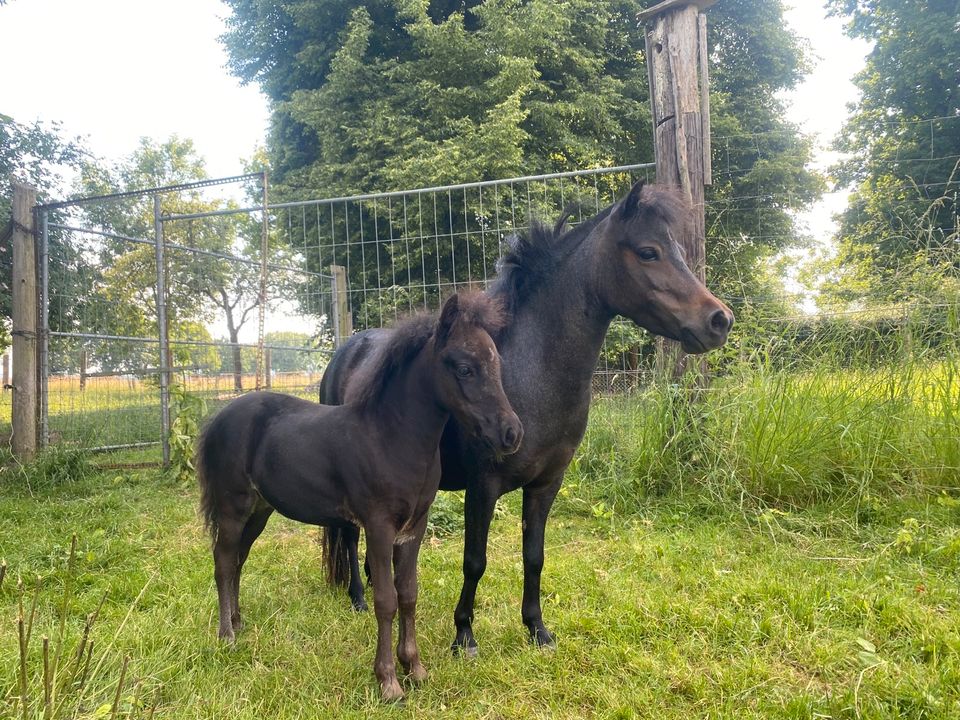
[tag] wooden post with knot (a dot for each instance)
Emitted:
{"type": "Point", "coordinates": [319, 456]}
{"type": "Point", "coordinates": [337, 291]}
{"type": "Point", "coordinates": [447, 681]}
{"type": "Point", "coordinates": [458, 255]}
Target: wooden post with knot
{"type": "Point", "coordinates": [676, 50]}
{"type": "Point", "coordinates": [24, 411]}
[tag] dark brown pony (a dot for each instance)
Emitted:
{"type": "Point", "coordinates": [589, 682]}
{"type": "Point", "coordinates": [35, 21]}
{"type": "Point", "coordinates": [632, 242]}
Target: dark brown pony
{"type": "Point", "coordinates": [562, 288]}
{"type": "Point", "coordinates": [372, 463]}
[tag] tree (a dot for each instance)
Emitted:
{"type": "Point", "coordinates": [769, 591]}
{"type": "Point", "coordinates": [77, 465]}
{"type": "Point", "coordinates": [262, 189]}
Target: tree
{"type": "Point", "coordinates": [897, 238]}
{"type": "Point", "coordinates": [200, 286]}
{"type": "Point", "coordinates": [395, 94]}
{"type": "Point", "coordinates": [37, 154]}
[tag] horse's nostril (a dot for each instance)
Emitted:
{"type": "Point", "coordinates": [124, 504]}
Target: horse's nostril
{"type": "Point", "coordinates": [720, 322]}
{"type": "Point", "coordinates": [511, 434]}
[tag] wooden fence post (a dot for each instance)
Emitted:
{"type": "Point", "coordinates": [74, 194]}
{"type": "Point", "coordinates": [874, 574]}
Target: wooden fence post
{"type": "Point", "coordinates": [83, 370]}
{"type": "Point", "coordinates": [679, 98]}
{"type": "Point", "coordinates": [342, 319]}
{"type": "Point", "coordinates": [24, 418]}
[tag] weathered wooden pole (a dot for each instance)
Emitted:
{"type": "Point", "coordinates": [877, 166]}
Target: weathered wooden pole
{"type": "Point", "coordinates": [24, 415]}
{"type": "Point", "coordinates": [676, 45]}
{"type": "Point", "coordinates": [342, 319]}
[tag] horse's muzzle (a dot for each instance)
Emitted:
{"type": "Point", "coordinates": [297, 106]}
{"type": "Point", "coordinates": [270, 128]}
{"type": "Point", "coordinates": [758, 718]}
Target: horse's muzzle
{"type": "Point", "coordinates": [711, 336]}
{"type": "Point", "coordinates": [511, 434]}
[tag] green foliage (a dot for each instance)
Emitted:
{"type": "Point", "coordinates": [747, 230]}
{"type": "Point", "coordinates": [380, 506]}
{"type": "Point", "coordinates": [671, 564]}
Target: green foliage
{"type": "Point", "coordinates": [61, 677]}
{"type": "Point", "coordinates": [54, 466]}
{"type": "Point", "coordinates": [788, 436]}
{"type": "Point", "coordinates": [902, 140]}
{"type": "Point", "coordinates": [36, 154]}
{"type": "Point", "coordinates": [397, 94]}
{"type": "Point", "coordinates": [189, 410]}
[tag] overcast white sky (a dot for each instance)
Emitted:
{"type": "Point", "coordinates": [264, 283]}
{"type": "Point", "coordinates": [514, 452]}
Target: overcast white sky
{"type": "Point", "coordinates": [116, 70]}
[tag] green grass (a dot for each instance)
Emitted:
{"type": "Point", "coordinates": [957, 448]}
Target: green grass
{"type": "Point", "coordinates": [688, 607]}
{"type": "Point", "coordinates": [777, 437]}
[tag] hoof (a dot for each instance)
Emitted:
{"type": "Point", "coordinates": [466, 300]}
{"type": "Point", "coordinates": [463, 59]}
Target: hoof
{"type": "Point", "coordinates": [359, 605]}
{"type": "Point", "coordinates": [237, 624]}
{"type": "Point", "coordinates": [540, 637]}
{"type": "Point", "coordinates": [468, 650]}
{"type": "Point", "coordinates": [391, 692]}
{"type": "Point", "coordinates": [418, 674]}
{"type": "Point", "coordinates": [227, 637]}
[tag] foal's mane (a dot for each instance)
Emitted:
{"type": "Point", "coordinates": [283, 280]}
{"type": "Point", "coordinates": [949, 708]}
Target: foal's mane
{"type": "Point", "coordinates": [409, 336]}
{"type": "Point", "coordinates": [533, 257]}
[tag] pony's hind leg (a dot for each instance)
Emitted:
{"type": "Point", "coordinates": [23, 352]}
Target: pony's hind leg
{"type": "Point", "coordinates": [405, 570]}
{"type": "Point", "coordinates": [226, 550]}
{"type": "Point", "coordinates": [251, 531]}
{"type": "Point", "coordinates": [352, 538]}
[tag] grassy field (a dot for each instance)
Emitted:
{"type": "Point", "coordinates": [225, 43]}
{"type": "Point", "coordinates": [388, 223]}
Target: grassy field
{"type": "Point", "coordinates": [786, 546]}
{"type": "Point", "coordinates": [685, 608]}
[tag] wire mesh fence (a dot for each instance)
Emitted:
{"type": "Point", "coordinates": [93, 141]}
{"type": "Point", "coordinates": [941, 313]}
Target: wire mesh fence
{"type": "Point", "coordinates": [249, 298]}
{"type": "Point", "coordinates": [137, 297]}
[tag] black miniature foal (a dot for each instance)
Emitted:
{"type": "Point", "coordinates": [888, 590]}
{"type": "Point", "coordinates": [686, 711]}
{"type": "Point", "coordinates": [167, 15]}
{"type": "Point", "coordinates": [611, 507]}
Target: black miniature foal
{"type": "Point", "coordinates": [373, 462]}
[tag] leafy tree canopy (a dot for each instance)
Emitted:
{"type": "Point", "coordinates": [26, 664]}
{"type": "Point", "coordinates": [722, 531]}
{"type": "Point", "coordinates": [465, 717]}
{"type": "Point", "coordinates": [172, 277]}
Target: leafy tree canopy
{"type": "Point", "coordinates": [37, 154]}
{"type": "Point", "coordinates": [899, 232]}
{"type": "Point", "coordinates": [395, 94]}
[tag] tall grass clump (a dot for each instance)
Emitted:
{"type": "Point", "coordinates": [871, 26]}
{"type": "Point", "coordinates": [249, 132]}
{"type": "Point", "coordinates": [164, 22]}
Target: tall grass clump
{"type": "Point", "coordinates": [60, 671]}
{"type": "Point", "coordinates": [52, 467]}
{"type": "Point", "coordinates": [878, 416]}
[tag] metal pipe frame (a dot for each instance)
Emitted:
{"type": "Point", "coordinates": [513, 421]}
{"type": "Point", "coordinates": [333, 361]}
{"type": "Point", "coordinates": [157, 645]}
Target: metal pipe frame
{"type": "Point", "coordinates": [150, 191]}
{"type": "Point", "coordinates": [44, 330]}
{"type": "Point", "coordinates": [186, 248]}
{"type": "Point", "coordinates": [162, 327]}
{"type": "Point", "coordinates": [418, 191]}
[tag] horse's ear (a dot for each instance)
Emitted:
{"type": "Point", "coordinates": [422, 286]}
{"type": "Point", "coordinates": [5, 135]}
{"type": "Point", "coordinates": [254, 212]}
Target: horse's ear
{"type": "Point", "coordinates": [448, 316]}
{"type": "Point", "coordinates": [630, 205]}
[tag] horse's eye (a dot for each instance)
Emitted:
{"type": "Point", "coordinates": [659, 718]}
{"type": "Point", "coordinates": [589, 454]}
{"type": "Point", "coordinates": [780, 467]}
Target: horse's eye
{"type": "Point", "coordinates": [464, 371]}
{"type": "Point", "coordinates": [647, 253]}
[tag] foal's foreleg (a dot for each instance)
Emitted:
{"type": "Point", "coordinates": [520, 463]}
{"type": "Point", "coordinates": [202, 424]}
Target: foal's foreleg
{"type": "Point", "coordinates": [405, 569]}
{"type": "Point", "coordinates": [379, 555]}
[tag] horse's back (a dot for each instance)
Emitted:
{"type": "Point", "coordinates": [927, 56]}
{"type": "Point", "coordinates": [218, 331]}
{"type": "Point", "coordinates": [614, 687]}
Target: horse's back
{"type": "Point", "coordinates": [336, 385]}
{"type": "Point", "coordinates": [233, 435]}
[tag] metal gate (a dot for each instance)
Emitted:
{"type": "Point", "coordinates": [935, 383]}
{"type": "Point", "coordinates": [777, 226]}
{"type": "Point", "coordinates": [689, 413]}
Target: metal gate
{"type": "Point", "coordinates": [147, 293]}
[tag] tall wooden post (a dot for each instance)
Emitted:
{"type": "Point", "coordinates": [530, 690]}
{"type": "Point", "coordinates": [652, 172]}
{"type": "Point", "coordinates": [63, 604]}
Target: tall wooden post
{"type": "Point", "coordinates": [679, 98]}
{"type": "Point", "coordinates": [24, 323]}
{"type": "Point", "coordinates": [342, 319]}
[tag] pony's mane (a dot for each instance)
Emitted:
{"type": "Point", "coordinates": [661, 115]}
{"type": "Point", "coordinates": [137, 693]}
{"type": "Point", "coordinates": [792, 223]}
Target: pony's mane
{"type": "Point", "coordinates": [532, 257]}
{"type": "Point", "coordinates": [409, 336]}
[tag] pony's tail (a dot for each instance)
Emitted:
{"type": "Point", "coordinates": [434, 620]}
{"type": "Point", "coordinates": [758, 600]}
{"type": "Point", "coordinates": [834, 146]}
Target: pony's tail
{"type": "Point", "coordinates": [208, 494]}
{"type": "Point", "coordinates": [336, 555]}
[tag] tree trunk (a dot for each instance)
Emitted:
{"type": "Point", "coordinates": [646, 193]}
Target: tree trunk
{"type": "Point", "coordinates": [235, 348]}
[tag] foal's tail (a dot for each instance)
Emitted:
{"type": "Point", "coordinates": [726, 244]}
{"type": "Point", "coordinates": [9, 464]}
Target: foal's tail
{"type": "Point", "coordinates": [208, 491]}
{"type": "Point", "coordinates": [336, 557]}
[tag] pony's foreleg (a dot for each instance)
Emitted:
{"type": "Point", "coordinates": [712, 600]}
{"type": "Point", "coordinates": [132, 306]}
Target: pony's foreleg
{"type": "Point", "coordinates": [478, 512]}
{"type": "Point", "coordinates": [405, 569]}
{"type": "Point", "coordinates": [537, 502]}
{"type": "Point", "coordinates": [379, 555]}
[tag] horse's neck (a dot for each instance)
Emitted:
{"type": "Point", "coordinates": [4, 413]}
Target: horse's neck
{"type": "Point", "coordinates": [408, 407]}
{"type": "Point", "coordinates": [557, 333]}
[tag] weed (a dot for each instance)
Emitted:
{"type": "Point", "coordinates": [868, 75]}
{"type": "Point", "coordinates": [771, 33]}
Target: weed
{"type": "Point", "coordinates": [66, 678]}
{"type": "Point", "coordinates": [190, 410]}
